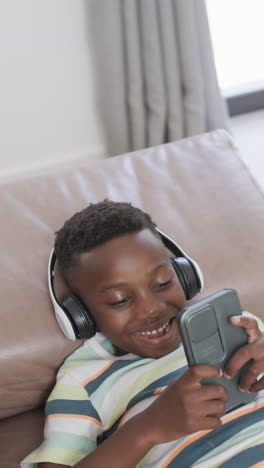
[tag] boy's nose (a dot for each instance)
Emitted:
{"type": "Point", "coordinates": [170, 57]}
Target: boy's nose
{"type": "Point", "coordinates": [150, 306]}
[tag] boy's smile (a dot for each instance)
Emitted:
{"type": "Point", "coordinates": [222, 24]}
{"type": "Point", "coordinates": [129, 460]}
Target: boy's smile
{"type": "Point", "coordinates": [133, 293]}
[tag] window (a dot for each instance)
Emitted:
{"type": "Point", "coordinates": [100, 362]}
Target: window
{"type": "Point", "coordinates": [238, 38]}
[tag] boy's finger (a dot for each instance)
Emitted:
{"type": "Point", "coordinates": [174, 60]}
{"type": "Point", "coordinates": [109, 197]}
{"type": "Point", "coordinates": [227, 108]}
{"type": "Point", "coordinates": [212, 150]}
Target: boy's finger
{"type": "Point", "coordinates": [253, 351]}
{"type": "Point", "coordinates": [240, 358]}
{"type": "Point", "coordinates": [251, 375]}
{"type": "Point", "coordinates": [213, 392]}
{"type": "Point", "coordinates": [257, 386]}
{"type": "Point", "coordinates": [215, 408]}
{"type": "Point", "coordinates": [249, 324]}
{"type": "Point", "coordinates": [196, 373]}
{"type": "Point", "coordinates": [212, 422]}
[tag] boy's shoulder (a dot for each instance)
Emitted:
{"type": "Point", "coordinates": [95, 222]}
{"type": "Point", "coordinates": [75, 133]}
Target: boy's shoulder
{"type": "Point", "coordinates": [81, 365]}
{"type": "Point", "coordinates": [90, 358]}
{"type": "Point", "coordinates": [95, 350]}
{"type": "Point", "coordinates": [97, 357]}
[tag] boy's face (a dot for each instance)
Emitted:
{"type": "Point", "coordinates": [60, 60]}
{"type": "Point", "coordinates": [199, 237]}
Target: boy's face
{"type": "Point", "coordinates": [133, 293]}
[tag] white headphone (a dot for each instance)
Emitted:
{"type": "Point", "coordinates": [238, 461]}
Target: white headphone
{"type": "Point", "coordinates": [75, 320]}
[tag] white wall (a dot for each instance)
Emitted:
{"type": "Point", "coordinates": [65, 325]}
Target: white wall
{"type": "Point", "coordinates": [47, 107]}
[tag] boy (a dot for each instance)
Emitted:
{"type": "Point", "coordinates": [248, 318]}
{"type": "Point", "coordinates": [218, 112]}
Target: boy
{"type": "Point", "coordinates": [126, 397]}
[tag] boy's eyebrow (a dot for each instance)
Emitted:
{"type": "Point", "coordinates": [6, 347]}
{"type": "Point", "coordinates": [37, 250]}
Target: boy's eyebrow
{"type": "Point", "coordinates": [111, 286]}
{"type": "Point", "coordinates": [122, 283]}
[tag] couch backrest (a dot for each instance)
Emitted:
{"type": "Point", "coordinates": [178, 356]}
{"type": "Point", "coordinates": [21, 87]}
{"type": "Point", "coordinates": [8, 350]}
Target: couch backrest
{"type": "Point", "coordinates": [198, 192]}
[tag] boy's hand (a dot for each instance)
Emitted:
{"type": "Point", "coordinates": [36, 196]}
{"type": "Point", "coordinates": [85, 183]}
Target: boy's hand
{"type": "Point", "coordinates": [254, 351]}
{"type": "Point", "coordinates": [187, 406]}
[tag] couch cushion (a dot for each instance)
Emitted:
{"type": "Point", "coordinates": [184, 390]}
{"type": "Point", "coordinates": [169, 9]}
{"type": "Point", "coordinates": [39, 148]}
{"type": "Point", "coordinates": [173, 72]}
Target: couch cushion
{"type": "Point", "coordinates": [197, 190]}
{"type": "Point", "coordinates": [20, 435]}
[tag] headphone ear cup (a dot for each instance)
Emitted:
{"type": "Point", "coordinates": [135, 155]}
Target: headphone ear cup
{"type": "Point", "coordinates": [83, 323]}
{"type": "Point", "coordinates": [186, 275]}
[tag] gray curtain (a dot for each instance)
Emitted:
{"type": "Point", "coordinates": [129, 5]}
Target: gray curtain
{"type": "Point", "coordinates": [154, 71]}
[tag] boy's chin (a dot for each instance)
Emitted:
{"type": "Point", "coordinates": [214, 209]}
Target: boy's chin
{"type": "Point", "coordinates": [159, 353]}
{"type": "Point", "coordinates": [155, 352]}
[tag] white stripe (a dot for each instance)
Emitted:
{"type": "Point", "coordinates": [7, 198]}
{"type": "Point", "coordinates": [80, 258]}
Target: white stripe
{"type": "Point", "coordinates": [96, 344]}
{"type": "Point", "coordinates": [230, 452]}
{"type": "Point", "coordinates": [89, 370]}
{"type": "Point", "coordinates": [131, 383]}
{"type": "Point", "coordinates": [77, 426]}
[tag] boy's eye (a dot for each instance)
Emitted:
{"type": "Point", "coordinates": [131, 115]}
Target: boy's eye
{"type": "Point", "coordinates": [163, 285]}
{"type": "Point", "coordinates": [120, 303]}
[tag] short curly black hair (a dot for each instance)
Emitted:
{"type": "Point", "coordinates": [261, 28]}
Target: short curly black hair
{"type": "Point", "coordinates": [96, 224]}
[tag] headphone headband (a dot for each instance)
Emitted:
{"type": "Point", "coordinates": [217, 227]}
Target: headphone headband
{"type": "Point", "coordinates": [62, 318]}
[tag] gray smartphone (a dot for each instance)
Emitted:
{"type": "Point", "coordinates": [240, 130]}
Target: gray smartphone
{"type": "Point", "coordinates": [209, 338]}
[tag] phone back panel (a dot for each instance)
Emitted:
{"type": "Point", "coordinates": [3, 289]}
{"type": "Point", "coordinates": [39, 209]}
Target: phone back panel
{"type": "Point", "coordinates": [209, 338]}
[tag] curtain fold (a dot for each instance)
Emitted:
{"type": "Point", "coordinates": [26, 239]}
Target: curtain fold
{"type": "Point", "coordinates": [154, 71]}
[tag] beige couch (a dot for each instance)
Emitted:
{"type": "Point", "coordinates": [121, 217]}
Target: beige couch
{"type": "Point", "coordinates": [199, 193]}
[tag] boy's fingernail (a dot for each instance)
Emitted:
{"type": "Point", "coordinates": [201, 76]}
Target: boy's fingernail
{"type": "Point", "coordinates": [241, 389]}
{"type": "Point", "coordinates": [221, 372]}
{"type": "Point", "coordinates": [227, 376]}
{"type": "Point", "coordinates": [236, 318]}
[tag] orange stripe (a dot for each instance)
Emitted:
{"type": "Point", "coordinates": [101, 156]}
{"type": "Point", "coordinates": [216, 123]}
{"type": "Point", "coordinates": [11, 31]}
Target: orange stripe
{"type": "Point", "coordinates": [98, 373]}
{"type": "Point", "coordinates": [124, 415]}
{"type": "Point", "coordinates": [242, 412]}
{"type": "Point", "coordinates": [159, 390]}
{"type": "Point", "coordinates": [198, 436]}
{"type": "Point", "coordinates": [76, 416]}
{"type": "Point", "coordinates": [257, 465]}
{"type": "Point", "coordinates": [183, 446]}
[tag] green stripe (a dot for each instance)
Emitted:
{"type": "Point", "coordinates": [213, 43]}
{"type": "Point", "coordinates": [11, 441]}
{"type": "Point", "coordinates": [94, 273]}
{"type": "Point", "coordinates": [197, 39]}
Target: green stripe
{"type": "Point", "coordinates": [106, 386]}
{"type": "Point", "coordinates": [107, 345]}
{"type": "Point", "coordinates": [246, 458]}
{"type": "Point", "coordinates": [71, 366]}
{"type": "Point", "coordinates": [69, 441]}
{"type": "Point", "coordinates": [195, 451]}
{"type": "Point", "coordinates": [56, 455]}
{"type": "Point", "coordinates": [243, 436]}
{"type": "Point", "coordinates": [78, 358]}
{"type": "Point", "coordinates": [82, 354]}
{"type": "Point", "coordinates": [143, 380]}
{"type": "Point", "coordinates": [68, 392]}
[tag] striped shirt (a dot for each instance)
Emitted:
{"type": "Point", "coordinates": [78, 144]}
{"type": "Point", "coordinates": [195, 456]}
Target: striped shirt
{"type": "Point", "coordinates": [97, 391]}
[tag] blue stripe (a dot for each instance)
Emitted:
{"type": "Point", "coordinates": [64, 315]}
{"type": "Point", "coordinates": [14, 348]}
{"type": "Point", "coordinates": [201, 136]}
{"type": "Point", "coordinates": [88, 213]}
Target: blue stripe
{"type": "Point", "coordinates": [161, 382]}
{"type": "Point", "coordinates": [126, 365]}
{"type": "Point", "coordinates": [145, 393]}
{"type": "Point", "coordinates": [247, 458]}
{"type": "Point", "coordinates": [213, 439]}
{"type": "Point", "coordinates": [80, 407]}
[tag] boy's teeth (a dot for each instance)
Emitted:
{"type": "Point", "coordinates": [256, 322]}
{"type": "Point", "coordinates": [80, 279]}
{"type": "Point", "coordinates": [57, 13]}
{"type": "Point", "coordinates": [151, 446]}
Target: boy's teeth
{"type": "Point", "coordinates": [154, 332]}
